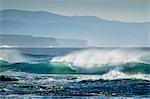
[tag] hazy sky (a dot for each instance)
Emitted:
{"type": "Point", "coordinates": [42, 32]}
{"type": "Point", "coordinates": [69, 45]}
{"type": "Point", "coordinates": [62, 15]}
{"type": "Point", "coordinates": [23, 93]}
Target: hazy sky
{"type": "Point", "coordinates": [122, 10]}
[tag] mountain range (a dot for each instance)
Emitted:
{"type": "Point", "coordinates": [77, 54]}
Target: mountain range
{"type": "Point", "coordinates": [29, 41]}
{"type": "Point", "coordinates": [97, 31]}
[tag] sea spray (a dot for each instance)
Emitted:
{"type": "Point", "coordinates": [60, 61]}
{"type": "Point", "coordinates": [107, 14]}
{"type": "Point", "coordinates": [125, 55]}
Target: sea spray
{"type": "Point", "coordinates": [69, 68]}
{"type": "Point", "coordinates": [91, 61]}
{"type": "Point", "coordinates": [115, 74]}
{"type": "Point", "coordinates": [12, 56]}
{"type": "Point", "coordinates": [98, 57]}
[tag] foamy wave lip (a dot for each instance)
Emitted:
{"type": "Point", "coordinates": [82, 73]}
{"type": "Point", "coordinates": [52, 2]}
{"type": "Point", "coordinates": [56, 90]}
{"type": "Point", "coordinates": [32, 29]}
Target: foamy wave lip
{"type": "Point", "coordinates": [99, 57]}
{"type": "Point", "coordinates": [115, 74]}
{"type": "Point", "coordinates": [12, 56]}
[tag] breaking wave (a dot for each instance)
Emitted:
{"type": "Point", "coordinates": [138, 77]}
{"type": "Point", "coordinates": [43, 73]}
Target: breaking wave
{"type": "Point", "coordinates": [98, 57]}
{"type": "Point", "coordinates": [12, 56]}
{"type": "Point", "coordinates": [112, 64]}
{"type": "Point", "coordinates": [65, 68]}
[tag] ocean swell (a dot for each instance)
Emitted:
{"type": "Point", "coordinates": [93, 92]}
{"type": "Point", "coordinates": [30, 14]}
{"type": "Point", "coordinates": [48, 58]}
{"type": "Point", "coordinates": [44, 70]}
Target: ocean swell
{"type": "Point", "coordinates": [70, 68]}
{"type": "Point", "coordinates": [125, 63]}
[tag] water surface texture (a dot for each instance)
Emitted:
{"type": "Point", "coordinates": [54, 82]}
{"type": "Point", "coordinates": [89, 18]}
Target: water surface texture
{"type": "Point", "coordinates": [75, 72]}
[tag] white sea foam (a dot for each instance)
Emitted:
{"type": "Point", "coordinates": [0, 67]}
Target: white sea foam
{"type": "Point", "coordinates": [11, 56]}
{"type": "Point", "coordinates": [115, 74]}
{"type": "Point", "coordinates": [97, 57]}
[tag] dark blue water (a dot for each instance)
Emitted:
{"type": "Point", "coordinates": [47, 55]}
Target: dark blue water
{"type": "Point", "coordinates": [75, 72]}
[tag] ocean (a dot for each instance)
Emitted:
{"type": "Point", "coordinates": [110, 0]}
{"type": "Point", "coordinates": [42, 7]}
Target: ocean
{"type": "Point", "coordinates": [75, 73]}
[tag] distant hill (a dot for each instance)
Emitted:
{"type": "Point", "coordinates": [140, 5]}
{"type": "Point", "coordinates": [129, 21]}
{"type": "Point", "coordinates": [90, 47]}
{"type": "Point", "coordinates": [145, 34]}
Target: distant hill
{"type": "Point", "coordinates": [97, 31]}
{"type": "Point", "coordinates": [7, 40]}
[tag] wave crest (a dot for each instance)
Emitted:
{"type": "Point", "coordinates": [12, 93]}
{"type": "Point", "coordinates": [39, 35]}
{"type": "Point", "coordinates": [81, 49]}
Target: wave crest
{"type": "Point", "coordinates": [98, 57]}
{"type": "Point", "coordinates": [12, 56]}
{"type": "Point", "coordinates": [69, 68]}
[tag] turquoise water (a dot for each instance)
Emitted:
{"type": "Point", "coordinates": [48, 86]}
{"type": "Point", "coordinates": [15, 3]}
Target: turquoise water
{"type": "Point", "coordinates": [75, 72]}
{"type": "Point", "coordinates": [70, 68]}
